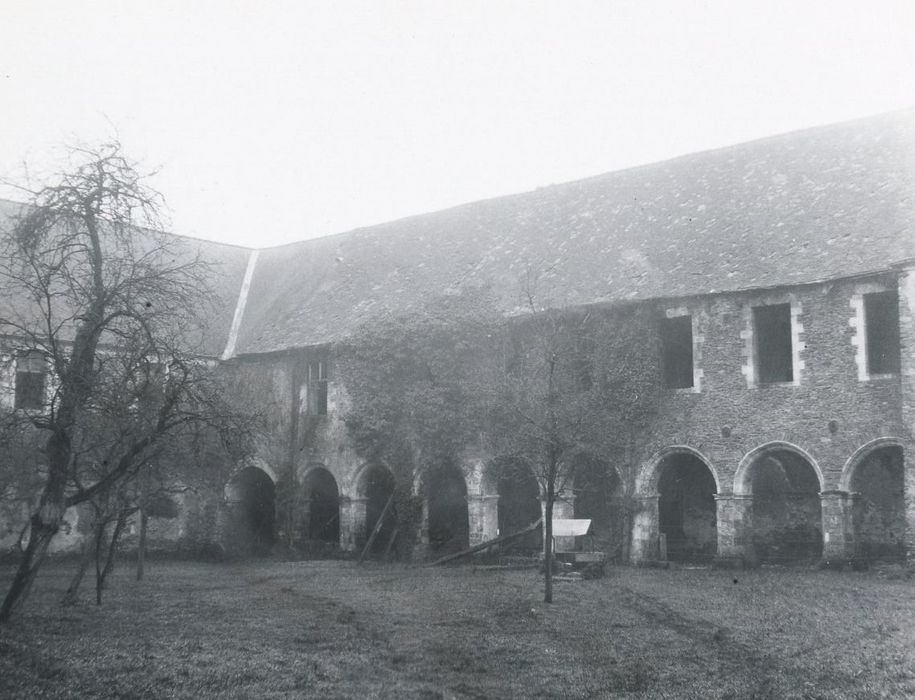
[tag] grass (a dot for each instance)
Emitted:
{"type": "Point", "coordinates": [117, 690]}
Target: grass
{"type": "Point", "coordinates": [331, 629]}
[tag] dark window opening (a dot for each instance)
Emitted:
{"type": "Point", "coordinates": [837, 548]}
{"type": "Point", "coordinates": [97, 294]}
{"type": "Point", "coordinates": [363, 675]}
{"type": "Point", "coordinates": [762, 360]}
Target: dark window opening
{"type": "Point", "coordinates": [317, 387]}
{"type": "Point", "coordinates": [677, 348]}
{"type": "Point", "coordinates": [31, 374]}
{"type": "Point", "coordinates": [881, 321]}
{"type": "Point", "coordinates": [772, 329]}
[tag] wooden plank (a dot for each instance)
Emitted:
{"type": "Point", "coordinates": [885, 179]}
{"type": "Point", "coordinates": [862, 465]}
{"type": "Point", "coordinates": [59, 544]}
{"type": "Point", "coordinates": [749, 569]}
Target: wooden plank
{"type": "Point", "coordinates": [376, 529]}
{"type": "Point", "coordinates": [486, 545]}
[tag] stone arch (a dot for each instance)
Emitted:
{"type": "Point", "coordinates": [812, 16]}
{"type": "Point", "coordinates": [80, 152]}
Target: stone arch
{"type": "Point", "coordinates": [686, 485]}
{"type": "Point", "coordinates": [647, 481]}
{"type": "Point", "coordinates": [374, 484]}
{"type": "Point", "coordinates": [597, 492]}
{"type": "Point", "coordinates": [859, 455]}
{"type": "Point", "coordinates": [519, 504]}
{"type": "Point", "coordinates": [742, 485]}
{"type": "Point", "coordinates": [321, 516]}
{"type": "Point", "coordinates": [785, 484]}
{"type": "Point", "coordinates": [875, 476]}
{"type": "Point", "coordinates": [250, 501]}
{"type": "Point", "coordinates": [446, 499]}
{"type": "Point", "coordinates": [255, 463]}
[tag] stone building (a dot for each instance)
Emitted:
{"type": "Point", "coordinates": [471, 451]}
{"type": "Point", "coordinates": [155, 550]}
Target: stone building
{"type": "Point", "coordinates": [782, 273]}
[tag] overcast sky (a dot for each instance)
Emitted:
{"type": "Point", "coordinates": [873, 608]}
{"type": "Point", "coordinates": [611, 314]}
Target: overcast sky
{"type": "Point", "coordinates": [272, 121]}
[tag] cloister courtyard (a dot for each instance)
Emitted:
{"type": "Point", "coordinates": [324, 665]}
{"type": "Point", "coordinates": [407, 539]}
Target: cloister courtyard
{"type": "Point", "coordinates": [332, 629]}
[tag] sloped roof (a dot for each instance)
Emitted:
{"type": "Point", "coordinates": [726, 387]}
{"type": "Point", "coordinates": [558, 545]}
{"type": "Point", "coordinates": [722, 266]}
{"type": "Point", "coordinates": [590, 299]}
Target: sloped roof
{"type": "Point", "coordinates": [822, 203]}
{"type": "Point", "coordinates": [226, 268]}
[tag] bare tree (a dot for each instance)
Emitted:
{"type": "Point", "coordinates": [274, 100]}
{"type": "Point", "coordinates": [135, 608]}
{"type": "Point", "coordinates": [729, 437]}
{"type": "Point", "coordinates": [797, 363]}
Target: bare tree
{"type": "Point", "coordinates": [113, 306]}
{"type": "Point", "coordinates": [574, 383]}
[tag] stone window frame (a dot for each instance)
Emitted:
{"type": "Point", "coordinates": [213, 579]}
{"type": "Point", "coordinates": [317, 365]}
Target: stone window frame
{"type": "Point", "coordinates": [317, 382]}
{"type": "Point", "coordinates": [750, 365]}
{"type": "Point", "coordinates": [858, 324]}
{"type": "Point", "coordinates": [20, 358]}
{"type": "Point", "coordinates": [698, 341]}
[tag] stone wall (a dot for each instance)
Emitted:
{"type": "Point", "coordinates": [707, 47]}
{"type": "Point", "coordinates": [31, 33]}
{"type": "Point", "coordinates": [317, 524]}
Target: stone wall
{"type": "Point", "coordinates": [825, 415]}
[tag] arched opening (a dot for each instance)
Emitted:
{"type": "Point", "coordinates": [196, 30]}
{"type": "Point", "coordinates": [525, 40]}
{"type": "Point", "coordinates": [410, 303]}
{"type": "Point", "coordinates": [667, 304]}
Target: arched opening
{"type": "Point", "coordinates": [687, 514]}
{"type": "Point", "coordinates": [446, 494]}
{"type": "Point", "coordinates": [376, 487]}
{"type": "Point", "coordinates": [322, 507]}
{"type": "Point", "coordinates": [879, 510]}
{"type": "Point", "coordinates": [519, 507]}
{"type": "Point", "coordinates": [787, 519]}
{"type": "Point", "coordinates": [251, 505]}
{"type": "Point", "coordinates": [598, 499]}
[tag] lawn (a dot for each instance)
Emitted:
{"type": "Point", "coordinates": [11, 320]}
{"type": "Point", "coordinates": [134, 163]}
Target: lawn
{"type": "Point", "coordinates": [332, 629]}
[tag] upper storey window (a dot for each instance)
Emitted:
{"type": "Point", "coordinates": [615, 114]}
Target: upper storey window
{"type": "Point", "coordinates": [31, 379]}
{"type": "Point", "coordinates": [317, 387]}
{"type": "Point", "coordinates": [881, 321]}
{"type": "Point", "coordinates": [772, 331]}
{"type": "Point", "coordinates": [677, 351]}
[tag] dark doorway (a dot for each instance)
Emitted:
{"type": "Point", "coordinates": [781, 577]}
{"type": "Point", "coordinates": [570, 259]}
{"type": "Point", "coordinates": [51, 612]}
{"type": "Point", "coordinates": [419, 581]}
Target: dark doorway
{"type": "Point", "coordinates": [251, 502]}
{"type": "Point", "coordinates": [787, 520]}
{"type": "Point", "coordinates": [447, 498]}
{"type": "Point", "coordinates": [322, 506]}
{"type": "Point", "coordinates": [597, 498]}
{"type": "Point", "coordinates": [687, 512]}
{"type": "Point", "coordinates": [879, 507]}
{"type": "Point", "coordinates": [519, 507]}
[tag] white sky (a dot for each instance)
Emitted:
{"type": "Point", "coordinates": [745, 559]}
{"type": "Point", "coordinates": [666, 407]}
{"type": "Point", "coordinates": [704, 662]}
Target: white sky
{"type": "Point", "coordinates": [278, 121]}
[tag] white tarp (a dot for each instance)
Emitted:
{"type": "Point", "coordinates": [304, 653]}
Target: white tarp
{"type": "Point", "coordinates": [571, 528]}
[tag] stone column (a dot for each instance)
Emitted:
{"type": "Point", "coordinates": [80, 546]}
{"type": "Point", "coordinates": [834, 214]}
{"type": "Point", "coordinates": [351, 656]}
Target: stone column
{"type": "Point", "coordinates": [837, 509]}
{"type": "Point", "coordinates": [305, 518]}
{"type": "Point", "coordinates": [734, 523]}
{"type": "Point", "coordinates": [645, 530]}
{"type": "Point", "coordinates": [483, 517]}
{"type": "Point", "coordinates": [352, 522]}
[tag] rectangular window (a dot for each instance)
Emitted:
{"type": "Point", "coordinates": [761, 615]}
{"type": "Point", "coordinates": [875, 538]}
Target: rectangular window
{"type": "Point", "coordinates": [772, 330]}
{"type": "Point", "coordinates": [31, 374]}
{"type": "Point", "coordinates": [677, 349]}
{"type": "Point", "coordinates": [881, 320]}
{"type": "Point", "coordinates": [317, 387]}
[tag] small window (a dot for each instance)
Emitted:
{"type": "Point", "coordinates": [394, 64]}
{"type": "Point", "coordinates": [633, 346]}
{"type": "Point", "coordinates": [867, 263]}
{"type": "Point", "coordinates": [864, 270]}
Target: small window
{"type": "Point", "coordinates": [317, 387]}
{"type": "Point", "coordinates": [677, 349]}
{"type": "Point", "coordinates": [772, 330]}
{"type": "Point", "coordinates": [881, 319]}
{"type": "Point", "coordinates": [31, 374]}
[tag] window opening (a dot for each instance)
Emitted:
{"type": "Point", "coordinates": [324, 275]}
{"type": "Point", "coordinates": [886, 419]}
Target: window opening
{"type": "Point", "coordinates": [31, 376]}
{"type": "Point", "coordinates": [881, 321]}
{"type": "Point", "coordinates": [317, 387]}
{"type": "Point", "coordinates": [772, 325]}
{"type": "Point", "coordinates": [677, 348]}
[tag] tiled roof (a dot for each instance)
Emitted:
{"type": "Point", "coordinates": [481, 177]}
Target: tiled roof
{"type": "Point", "coordinates": [817, 204]}
{"type": "Point", "coordinates": [226, 269]}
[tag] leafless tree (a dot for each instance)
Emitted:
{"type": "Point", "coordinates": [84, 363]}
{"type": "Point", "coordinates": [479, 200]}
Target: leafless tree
{"type": "Point", "coordinates": [114, 306]}
{"type": "Point", "coordinates": [574, 383]}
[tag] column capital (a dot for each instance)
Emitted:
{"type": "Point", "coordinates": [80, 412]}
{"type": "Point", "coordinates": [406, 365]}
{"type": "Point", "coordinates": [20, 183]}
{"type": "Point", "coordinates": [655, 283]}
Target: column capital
{"type": "Point", "coordinates": [835, 493]}
{"type": "Point", "coordinates": [733, 496]}
{"type": "Point", "coordinates": [350, 499]}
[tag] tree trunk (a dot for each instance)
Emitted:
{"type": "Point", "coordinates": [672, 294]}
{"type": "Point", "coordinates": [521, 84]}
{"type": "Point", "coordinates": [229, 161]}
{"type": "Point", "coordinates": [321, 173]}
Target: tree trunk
{"type": "Point", "coordinates": [548, 545]}
{"type": "Point", "coordinates": [101, 573]}
{"type": "Point", "coordinates": [141, 545]}
{"type": "Point", "coordinates": [85, 559]}
{"type": "Point", "coordinates": [40, 537]}
{"type": "Point", "coordinates": [626, 540]}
